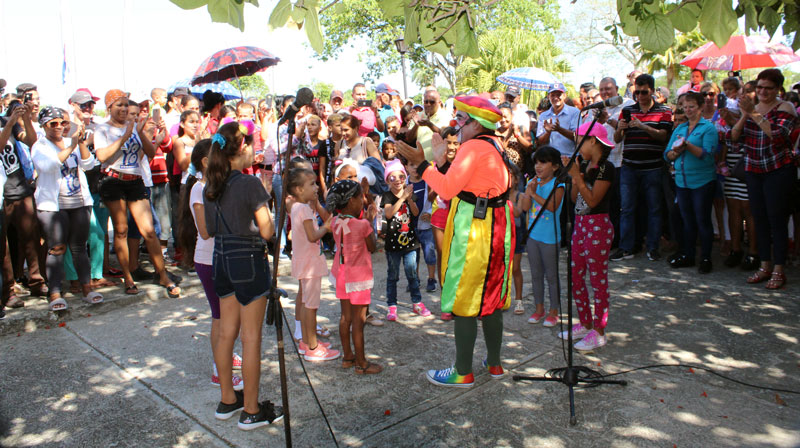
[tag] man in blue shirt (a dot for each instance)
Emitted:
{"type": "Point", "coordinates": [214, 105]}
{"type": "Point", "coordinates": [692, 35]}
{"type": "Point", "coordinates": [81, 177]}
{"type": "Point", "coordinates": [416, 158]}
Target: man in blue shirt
{"type": "Point", "coordinates": [557, 125]}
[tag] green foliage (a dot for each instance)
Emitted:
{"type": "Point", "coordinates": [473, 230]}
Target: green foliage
{"type": "Point", "coordinates": [504, 49]}
{"type": "Point", "coordinates": [717, 20]}
{"type": "Point", "coordinates": [221, 11]}
{"type": "Point", "coordinates": [322, 90]}
{"type": "Point", "coordinates": [669, 59]}
{"type": "Point", "coordinates": [253, 85]}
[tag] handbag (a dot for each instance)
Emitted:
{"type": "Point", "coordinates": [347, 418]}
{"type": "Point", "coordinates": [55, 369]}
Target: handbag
{"type": "Point", "coordinates": [738, 169]}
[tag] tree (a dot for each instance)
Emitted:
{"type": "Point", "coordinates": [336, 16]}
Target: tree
{"type": "Point", "coordinates": [588, 34]}
{"type": "Point", "coordinates": [253, 85]}
{"type": "Point", "coordinates": [669, 60]}
{"type": "Point", "coordinates": [322, 90]}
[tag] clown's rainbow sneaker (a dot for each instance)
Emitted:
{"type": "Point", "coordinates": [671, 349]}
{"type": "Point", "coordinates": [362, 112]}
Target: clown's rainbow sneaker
{"type": "Point", "coordinates": [496, 372]}
{"type": "Point", "coordinates": [450, 378]}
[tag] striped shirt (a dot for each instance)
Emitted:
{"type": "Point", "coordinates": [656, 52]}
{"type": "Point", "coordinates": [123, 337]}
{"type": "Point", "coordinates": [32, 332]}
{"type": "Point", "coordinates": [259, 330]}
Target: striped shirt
{"type": "Point", "coordinates": [641, 151]}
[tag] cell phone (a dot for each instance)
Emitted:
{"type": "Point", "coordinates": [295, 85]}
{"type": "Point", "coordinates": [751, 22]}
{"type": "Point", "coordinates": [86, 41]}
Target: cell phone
{"type": "Point", "coordinates": [27, 98]}
{"type": "Point", "coordinates": [157, 114]}
{"type": "Point", "coordinates": [364, 103]}
{"type": "Point", "coordinates": [626, 115]}
{"type": "Point", "coordinates": [722, 101]}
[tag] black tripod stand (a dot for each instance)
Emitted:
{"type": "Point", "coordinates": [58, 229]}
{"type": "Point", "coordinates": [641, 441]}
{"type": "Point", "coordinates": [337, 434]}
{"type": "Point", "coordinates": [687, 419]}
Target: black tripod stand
{"type": "Point", "coordinates": [570, 375]}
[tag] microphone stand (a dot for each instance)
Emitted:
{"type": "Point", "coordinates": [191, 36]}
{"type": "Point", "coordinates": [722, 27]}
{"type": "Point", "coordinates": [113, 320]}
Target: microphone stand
{"type": "Point", "coordinates": [274, 308]}
{"type": "Point", "coordinates": [571, 376]}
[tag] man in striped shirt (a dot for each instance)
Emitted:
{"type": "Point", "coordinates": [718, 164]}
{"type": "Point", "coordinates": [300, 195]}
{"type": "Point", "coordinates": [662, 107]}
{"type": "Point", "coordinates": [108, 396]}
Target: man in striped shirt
{"type": "Point", "coordinates": [645, 128]}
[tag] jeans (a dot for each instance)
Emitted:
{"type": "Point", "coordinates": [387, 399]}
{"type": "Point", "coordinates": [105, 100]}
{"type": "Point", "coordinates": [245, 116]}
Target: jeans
{"type": "Point", "coordinates": [96, 247]}
{"type": "Point", "coordinates": [630, 181]}
{"type": "Point", "coordinates": [770, 195]}
{"type": "Point", "coordinates": [409, 260]}
{"type": "Point", "coordinates": [66, 228]}
{"type": "Point", "coordinates": [695, 205]}
{"type": "Point", "coordinates": [427, 246]}
{"type": "Point", "coordinates": [161, 199]}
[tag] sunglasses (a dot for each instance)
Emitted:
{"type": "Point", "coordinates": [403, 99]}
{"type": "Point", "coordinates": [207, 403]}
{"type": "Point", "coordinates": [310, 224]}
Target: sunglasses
{"type": "Point", "coordinates": [641, 92]}
{"type": "Point", "coordinates": [397, 178]}
{"type": "Point", "coordinates": [87, 106]}
{"type": "Point", "coordinates": [55, 124]}
{"type": "Point", "coordinates": [708, 94]}
{"type": "Point", "coordinates": [429, 102]}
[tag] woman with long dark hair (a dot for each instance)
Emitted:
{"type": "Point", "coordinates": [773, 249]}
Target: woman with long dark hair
{"type": "Point", "coordinates": [238, 217]}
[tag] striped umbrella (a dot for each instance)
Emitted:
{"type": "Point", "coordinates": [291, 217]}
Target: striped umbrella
{"type": "Point", "coordinates": [530, 78]}
{"type": "Point", "coordinates": [224, 87]}
{"type": "Point", "coordinates": [739, 53]}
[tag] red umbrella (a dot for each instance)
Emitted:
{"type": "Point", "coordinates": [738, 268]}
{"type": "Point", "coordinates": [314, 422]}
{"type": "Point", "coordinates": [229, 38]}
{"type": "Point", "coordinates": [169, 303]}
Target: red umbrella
{"type": "Point", "coordinates": [232, 63]}
{"type": "Point", "coordinates": [739, 53]}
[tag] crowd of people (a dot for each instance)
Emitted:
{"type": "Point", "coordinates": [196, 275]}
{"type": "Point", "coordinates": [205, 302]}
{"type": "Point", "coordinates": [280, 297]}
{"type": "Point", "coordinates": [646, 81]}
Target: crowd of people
{"type": "Point", "coordinates": [467, 184]}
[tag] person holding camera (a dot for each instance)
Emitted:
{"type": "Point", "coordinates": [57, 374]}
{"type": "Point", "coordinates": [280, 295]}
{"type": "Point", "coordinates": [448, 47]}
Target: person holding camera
{"type": "Point", "coordinates": [367, 111]}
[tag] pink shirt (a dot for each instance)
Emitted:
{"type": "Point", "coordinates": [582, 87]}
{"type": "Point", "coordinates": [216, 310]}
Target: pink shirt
{"type": "Point", "coordinates": [356, 271]}
{"type": "Point", "coordinates": [367, 117]}
{"type": "Point", "coordinates": [307, 258]}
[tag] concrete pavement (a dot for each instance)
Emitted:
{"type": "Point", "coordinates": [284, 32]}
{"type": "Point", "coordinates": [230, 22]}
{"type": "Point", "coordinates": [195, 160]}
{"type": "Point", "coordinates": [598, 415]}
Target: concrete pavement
{"type": "Point", "coordinates": [136, 372]}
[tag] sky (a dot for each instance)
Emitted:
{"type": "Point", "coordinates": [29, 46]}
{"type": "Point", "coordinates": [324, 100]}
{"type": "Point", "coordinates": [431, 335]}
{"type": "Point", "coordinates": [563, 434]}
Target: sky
{"type": "Point", "coordinates": [136, 45]}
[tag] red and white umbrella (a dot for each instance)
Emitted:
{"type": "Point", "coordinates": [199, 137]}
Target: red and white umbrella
{"type": "Point", "coordinates": [739, 53]}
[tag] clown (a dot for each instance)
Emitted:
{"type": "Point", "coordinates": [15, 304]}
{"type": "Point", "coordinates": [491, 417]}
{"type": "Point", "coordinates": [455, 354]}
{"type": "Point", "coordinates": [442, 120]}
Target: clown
{"type": "Point", "coordinates": [478, 239]}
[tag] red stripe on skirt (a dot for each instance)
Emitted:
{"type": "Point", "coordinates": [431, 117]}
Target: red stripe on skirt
{"type": "Point", "coordinates": [493, 295]}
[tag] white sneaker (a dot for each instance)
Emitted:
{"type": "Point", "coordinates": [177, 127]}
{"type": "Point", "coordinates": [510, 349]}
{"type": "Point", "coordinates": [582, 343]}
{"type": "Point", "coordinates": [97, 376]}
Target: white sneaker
{"type": "Point", "coordinates": [592, 341]}
{"type": "Point", "coordinates": [578, 331]}
{"type": "Point", "coordinates": [519, 308]}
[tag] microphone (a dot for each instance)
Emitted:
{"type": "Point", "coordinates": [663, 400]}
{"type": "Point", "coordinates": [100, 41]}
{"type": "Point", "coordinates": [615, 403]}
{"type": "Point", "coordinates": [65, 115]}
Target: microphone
{"type": "Point", "coordinates": [304, 97]}
{"type": "Point", "coordinates": [611, 102]}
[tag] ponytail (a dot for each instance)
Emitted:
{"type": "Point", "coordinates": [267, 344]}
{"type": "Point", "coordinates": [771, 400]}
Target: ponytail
{"type": "Point", "coordinates": [225, 145]}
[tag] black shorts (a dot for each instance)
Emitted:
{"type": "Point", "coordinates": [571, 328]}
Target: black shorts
{"type": "Point", "coordinates": [113, 189]}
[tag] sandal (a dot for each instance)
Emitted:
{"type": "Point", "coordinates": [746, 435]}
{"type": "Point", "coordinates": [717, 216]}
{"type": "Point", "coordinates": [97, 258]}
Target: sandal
{"type": "Point", "coordinates": [58, 304]}
{"type": "Point", "coordinates": [348, 363]}
{"type": "Point", "coordinates": [370, 369]}
{"type": "Point", "coordinates": [759, 276]}
{"type": "Point", "coordinates": [323, 332]}
{"type": "Point", "coordinates": [15, 302]}
{"type": "Point", "coordinates": [102, 282]}
{"type": "Point", "coordinates": [131, 290]}
{"type": "Point", "coordinates": [776, 281]}
{"type": "Point", "coordinates": [112, 272]}
{"type": "Point", "coordinates": [93, 298]}
{"type": "Point", "coordinates": [173, 291]}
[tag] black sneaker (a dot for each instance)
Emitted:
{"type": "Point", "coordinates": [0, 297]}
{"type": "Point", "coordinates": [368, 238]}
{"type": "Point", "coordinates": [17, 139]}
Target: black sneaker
{"type": "Point", "coordinates": [733, 259]}
{"type": "Point", "coordinates": [653, 255]}
{"type": "Point", "coordinates": [2, 314]}
{"type": "Point", "coordinates": [226, 411]}
{"type": "Point", "coordinates": [268, 413]}
{"type": "Point", "coordinates": [682, 262]}
{"type": "Point", "coordinates": [705, 266]}
{"type": "Point", "coordinates": [141, 274]}
{"type": "Point", "coordinates": [750, 263]}
{"type": "Point", "coordinates": [621, 255]}
{"type": "Point", "coordinates": [431, 285]}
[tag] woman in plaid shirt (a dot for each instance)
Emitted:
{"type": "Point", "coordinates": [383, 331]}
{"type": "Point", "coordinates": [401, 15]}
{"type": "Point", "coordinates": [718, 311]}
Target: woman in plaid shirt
{"type": "Point", "coordinates": [764, 133]}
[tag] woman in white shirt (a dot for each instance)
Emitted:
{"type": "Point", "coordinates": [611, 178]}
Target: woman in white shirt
{"type": "Point", "coordinates": [121, 144]}
{"type": "Point", "coordinates": [63, 201]}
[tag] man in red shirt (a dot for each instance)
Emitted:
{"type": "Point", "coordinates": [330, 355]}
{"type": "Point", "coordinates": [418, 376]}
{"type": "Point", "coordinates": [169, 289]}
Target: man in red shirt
{"type": "Point", "coordinates": [369, 116]}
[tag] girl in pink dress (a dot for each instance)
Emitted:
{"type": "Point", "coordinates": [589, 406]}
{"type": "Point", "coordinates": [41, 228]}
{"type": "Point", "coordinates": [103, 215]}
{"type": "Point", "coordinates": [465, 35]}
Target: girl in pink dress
{"type": "Point", "coordinates": [352, 268]}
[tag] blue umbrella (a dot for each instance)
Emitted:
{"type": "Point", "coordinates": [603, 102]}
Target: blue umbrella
{"type": "Point", "coordinates": [530, 78]}
{"type": "Point", "coordinates": [224, 87]}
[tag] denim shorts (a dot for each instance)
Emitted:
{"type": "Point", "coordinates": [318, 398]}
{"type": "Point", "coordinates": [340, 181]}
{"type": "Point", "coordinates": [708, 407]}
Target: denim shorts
{"type": "Point", "coordinates": [428, 247]}
{"type": "Point", "coordinates": [240, 267]}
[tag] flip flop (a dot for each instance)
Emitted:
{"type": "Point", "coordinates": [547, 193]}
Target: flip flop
{"type": "Point", "coordinates": [323, 332]}
{"type": "Point", "coordinates": [370, 369]}
{"type": "Point", "coordinates": [102, 282]}
{"type": "Point", "coordinates": [348, 363]}
{"type": "Point", "coordinates": [171, 288]}
{"type": "Point", "coordinates": [113, 272]}
{"type": "Point", "coordinates": [93, 298]}
{"type": "Point", "coordinates": [58, 304]}
{"type": "Point", "coordinates": [131, 290]}
{"type": "Point", "coordinates": [15, 302]}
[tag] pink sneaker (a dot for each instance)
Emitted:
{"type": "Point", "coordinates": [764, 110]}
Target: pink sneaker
{"type": "Point", "coordinates": [321, 353]}
{"type": "Point", "coordinates": [391, 316]}
{"type": "Point", "coordinates": [302, 348]}
{"type": "Point", "coordinates": [536, 318]}
{"type": "Point", "coordinates": [550, 321]}
{"type": "Point", "coordinates": [419, 308]}
{"type": "Point", "coordinates": [238, 382]}
{"type": "Point", "coordinates": [237, 361]}
{"type": "Point", "coordinates": [447, 316]}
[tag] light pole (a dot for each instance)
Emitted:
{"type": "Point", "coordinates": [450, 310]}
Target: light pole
{"type": "Point", "coordinates": [402, 48]}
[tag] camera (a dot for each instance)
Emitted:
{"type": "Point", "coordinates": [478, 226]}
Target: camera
{"type": "Point", "coordinates": [28, 97]}
{"type": "Point", "coordinates": [722, 100]}
{"type": "Point", "coordinates": [626, 115]}
{"type": "Point", "coordinates": [364, 103]}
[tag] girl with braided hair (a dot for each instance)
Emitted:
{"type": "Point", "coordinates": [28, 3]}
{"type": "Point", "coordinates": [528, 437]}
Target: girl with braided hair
{"type": "Point", "coordinates": [591, 239]}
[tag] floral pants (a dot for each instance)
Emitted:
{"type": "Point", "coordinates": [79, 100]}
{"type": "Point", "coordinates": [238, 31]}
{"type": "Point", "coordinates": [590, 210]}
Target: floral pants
{"type": "Point", "coordinates": [591, 244]}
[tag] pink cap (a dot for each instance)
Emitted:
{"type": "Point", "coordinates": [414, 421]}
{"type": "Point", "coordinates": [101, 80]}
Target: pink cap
{"type": "Point", "coordinates": [598, 131]}
{"type": "Point", "coordinates": [392, 166]}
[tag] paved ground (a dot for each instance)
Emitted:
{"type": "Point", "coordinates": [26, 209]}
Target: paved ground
{"type": "Point", "coordinates": [135, 372]}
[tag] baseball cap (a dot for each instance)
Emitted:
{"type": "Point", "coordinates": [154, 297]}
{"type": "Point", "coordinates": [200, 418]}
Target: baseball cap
{"type": "Point", "coordinates": [25, 87]}
{"type": "Point", "coordinates": [84, 89]}
{"type": "Point", "coordinates": [795, 86]}
{"type": "Point", "coordinates": [386, 88]}
{"type": "Point", "coordinates": [556, 87]}
{"type": "Point", "coordinates": [513, 91]}
{"type": "Point", "coordinates": [180, 91]}
{"type": "Point", "coordinates": [664, 91]}
{"type": "Point", "coordinates": [597, 131]}
{"type": "Point", "coordinates": [81, 97]}
{"type": "Point", "coordinates": [337, 94]}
